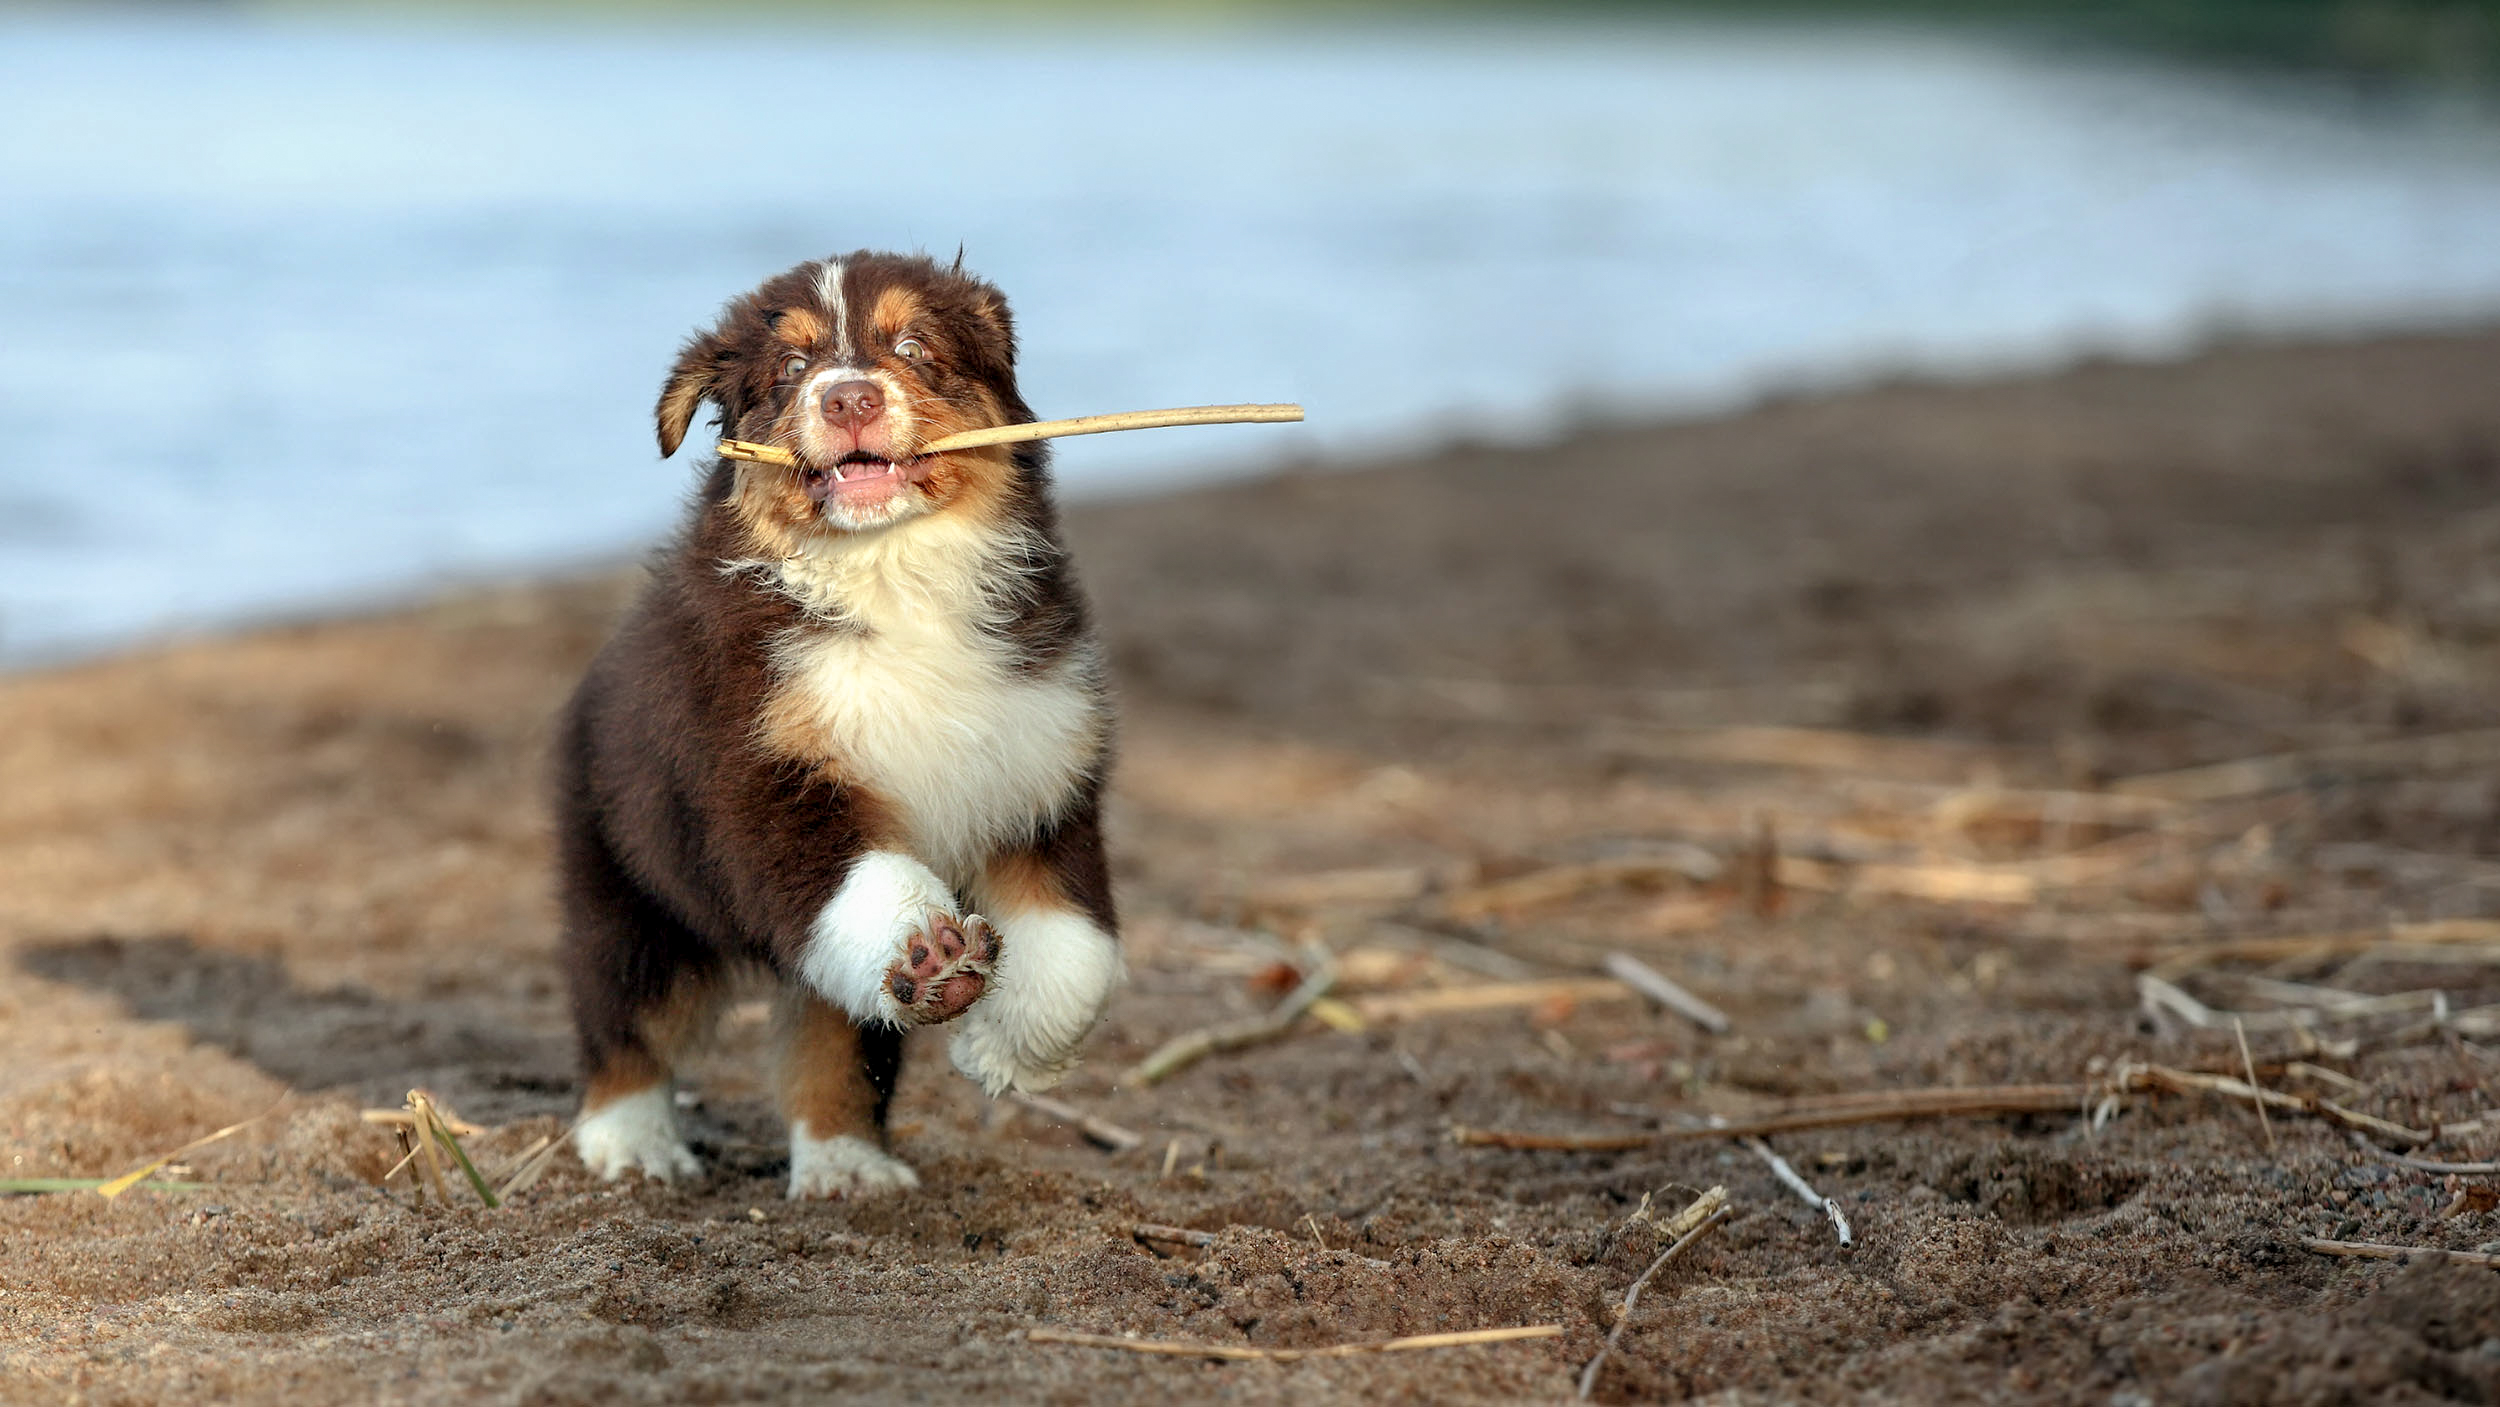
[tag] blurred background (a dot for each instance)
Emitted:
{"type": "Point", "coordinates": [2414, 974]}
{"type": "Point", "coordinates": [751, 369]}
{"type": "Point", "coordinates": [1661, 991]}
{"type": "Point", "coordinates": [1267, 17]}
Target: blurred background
{"type": "Point", "coordinates": [308, 307]}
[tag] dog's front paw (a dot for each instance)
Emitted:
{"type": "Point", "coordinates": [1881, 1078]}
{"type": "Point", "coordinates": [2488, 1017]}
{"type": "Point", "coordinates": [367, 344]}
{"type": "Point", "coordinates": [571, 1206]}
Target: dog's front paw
{"type": "Point", "coordinates": [636, 1133]}
{"type": "Point", "coordinates": [844, 1166]}
{"type": "Point", "coordinates": [944, 967]}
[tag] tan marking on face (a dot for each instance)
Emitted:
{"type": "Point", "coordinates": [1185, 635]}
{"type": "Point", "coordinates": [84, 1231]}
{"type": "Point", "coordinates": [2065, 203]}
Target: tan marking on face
{"type": "Point", "coordinates": [824, 1081]}
{"type": "Point", "coordinates": [895, 309]}
{"type": "Point", "coordinates": [802, 329]}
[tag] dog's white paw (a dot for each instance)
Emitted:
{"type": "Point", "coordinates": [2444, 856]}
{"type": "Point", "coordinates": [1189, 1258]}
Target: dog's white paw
{"type": "Point", "coordinates": [637, 1133]}
{"type": "Point", "coordinates": [1055, 974]}
{"type": "Point", "coordinates": [844, 1166]}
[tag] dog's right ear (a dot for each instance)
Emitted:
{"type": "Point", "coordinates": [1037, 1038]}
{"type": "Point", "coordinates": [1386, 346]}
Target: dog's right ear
{"type": "Point", "coordinates": [701, 371]}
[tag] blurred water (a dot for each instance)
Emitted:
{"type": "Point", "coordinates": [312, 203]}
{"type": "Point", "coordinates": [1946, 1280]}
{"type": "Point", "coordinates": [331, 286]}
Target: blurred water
{"type": "Point", "coordinates": [297, 314]}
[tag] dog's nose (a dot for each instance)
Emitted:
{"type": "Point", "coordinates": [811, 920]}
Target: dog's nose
{"type": "Point", "coordinates": [852, 404]}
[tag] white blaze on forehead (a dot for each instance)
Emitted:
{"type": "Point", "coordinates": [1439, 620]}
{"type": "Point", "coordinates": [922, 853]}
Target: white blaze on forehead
{"type": "Point", "coordinates": [829, 293]}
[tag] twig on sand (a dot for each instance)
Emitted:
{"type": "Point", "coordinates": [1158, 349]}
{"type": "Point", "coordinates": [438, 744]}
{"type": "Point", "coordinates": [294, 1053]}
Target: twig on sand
{"type": "Point", "coordinates": [1183, 1051]}
{"type": "Point", "coordinates": [1096, 1129]}
{"type": "Point", "coordinates": [1875, 1107]}
{"type": "Point", "coordinates": [428, 1131]}
{"type": "Point", "coordinates": [2425, 1164]}
{"type": "Point", "coordinates": [2373, 1250]}
{"type": "Point", "coordinates": [1656, 986]}
{"type": "Point", "coordinates": [1177, 1348]}
{"type": "Point", "coordinates": [1054, 429]}
{"type": "Point", "coordinates": [1149, 1231]}
{"type": "Point", "coordinates": [1789, 1178]}
{"type": "Point", "coordinates": [1632, 1296]}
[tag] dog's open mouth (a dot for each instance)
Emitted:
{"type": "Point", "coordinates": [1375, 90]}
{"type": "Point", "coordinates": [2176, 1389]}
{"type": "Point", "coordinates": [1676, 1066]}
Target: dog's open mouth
{"type": "Point", "coordinates": [857, 477]}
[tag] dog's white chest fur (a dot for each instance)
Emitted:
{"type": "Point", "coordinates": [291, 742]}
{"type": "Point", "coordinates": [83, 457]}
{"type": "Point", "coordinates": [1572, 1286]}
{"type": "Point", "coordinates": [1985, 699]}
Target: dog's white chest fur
{"type": "Point", "coordinates": [910, 696]}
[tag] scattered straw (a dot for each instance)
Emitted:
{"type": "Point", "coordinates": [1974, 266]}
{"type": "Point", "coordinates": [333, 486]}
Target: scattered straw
{"type": "Point", "coordinates": [428, 1133]}
{"type": "Point", "coordinates": [1177, 1348]}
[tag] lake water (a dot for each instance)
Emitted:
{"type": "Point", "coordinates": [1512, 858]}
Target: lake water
{"type": "Point", "coordinates": [299, 314]}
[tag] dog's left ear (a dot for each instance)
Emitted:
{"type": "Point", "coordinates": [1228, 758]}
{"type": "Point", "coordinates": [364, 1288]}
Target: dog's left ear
{"type": "Point", "coordinates": [701, 369]}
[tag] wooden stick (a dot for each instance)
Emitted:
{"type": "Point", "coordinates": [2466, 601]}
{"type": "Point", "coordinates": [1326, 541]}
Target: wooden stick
{"type": "Point", "coordinates": [1183, 1051]}
{"type": "Point", "coordinates": [1244, 1353]}
{"type": "Point", "coordinates": [1557, 883]}
{"type": "Point", "coordinates": [1656, 986]}
{"type": "Point", "coordinates": [1099, 1130]}
{"type": "Point", "coordinates": [1277, 414]}
{"type": "Point", "coordinates": [1632, 1296]}
{"type": "Point", "coordinates": [1789, 1178]}
{"type": "Point", "coordinates": [2373, 1250]}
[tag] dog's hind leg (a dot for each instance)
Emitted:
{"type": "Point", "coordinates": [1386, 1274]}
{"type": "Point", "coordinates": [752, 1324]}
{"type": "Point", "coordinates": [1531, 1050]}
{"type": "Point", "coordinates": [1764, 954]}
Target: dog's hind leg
{"type": "Point", "coordinates": [644, 991]}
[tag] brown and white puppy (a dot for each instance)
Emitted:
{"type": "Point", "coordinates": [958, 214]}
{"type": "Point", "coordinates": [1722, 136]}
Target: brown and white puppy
{"type": "Point", "coordinates": [857, 701]}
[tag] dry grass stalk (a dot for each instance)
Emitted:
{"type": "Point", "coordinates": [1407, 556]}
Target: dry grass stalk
{"type": "Point", "coordinates": [1656, 986]}
{"type": "Point", "coordinates": [111, 1188]}
{"type": "Point", "coordinates": [1632, 1297]}
{"type": "Point", "coordinates": [1177, 1348]}
{"type": "Point", "coordinates": [2373, 1250]}
{"type": "Point", "coordinates": [1098, 1130]}
{"type": "Point", "coordinates": [1790, 1179]}
{"type": "Point", "coordinates": [1490, 996]}
{"type": "Point", "coordinates": [2282, 771]}
{"type": "Point", "coordinates": [1385, 886]}
{"type": "Point", "coordinates": [1181, 1235]}
{"type": "Point", "coordinates": [2249, 1063]}
{"type": "Point", "coordinates": [1055, 429]}
{"type": "Point", "coordinates": [1183, 1051]}
{"type": "Point", "coordinates": [2132, 1079]}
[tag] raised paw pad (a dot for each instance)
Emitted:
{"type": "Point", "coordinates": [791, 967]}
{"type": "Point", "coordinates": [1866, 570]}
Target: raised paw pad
{"type": "Point", "coordinates": [944, 969]}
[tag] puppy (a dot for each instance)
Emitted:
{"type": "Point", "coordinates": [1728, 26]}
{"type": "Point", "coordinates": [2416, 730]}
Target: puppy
{"type": "Point", "coordinates": [854, 733]}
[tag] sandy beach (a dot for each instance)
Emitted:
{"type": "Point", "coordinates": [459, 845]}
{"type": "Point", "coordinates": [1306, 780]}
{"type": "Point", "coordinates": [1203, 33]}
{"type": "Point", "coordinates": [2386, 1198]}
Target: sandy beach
{"type": "Point", "coordinates": [1867, 718]}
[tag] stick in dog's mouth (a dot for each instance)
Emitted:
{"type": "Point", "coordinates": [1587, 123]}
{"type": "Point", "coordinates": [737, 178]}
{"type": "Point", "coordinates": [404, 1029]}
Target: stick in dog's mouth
{"type": "Point", "coordinates": [1017, 434]}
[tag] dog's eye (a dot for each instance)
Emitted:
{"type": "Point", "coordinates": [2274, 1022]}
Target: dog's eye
{"type": "Point", "coordinates": [791, 367]}
{"type": "Point", "coordinates": [910, 350]}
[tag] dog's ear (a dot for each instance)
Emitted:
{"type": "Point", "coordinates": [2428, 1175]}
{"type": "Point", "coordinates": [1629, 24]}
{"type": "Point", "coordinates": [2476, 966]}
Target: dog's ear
{"type": "Point", "coordinates": [701, 371]}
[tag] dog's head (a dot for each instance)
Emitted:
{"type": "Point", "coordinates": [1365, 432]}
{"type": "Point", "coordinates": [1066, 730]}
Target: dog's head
{"type": "Point", "coordinates": [852, 364]}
